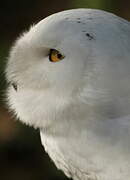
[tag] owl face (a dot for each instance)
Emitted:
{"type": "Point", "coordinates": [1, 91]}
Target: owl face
{"type": "Point", "coordinates": [46, 63]}
{"type": "Point", "coordinates": [49, 57]}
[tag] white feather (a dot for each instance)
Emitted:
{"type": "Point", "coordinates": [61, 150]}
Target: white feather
{"type": "Point", "coordinates": [81, 104]}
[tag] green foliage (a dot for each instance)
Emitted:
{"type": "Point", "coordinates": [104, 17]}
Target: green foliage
{"type": "Point", "coordinates": [96, 4]}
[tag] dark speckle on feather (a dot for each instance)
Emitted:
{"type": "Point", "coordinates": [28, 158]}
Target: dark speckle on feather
{"type": "Point", "coordinates": [90, 37]}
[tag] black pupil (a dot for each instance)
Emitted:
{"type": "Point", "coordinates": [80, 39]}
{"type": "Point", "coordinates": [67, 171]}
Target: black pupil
{"type": "Point", "coordinates": [59, 56]}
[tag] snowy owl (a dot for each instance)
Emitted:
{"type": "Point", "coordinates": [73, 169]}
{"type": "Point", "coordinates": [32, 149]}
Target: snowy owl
{"type": "Point", "coordinates": [69, 76]}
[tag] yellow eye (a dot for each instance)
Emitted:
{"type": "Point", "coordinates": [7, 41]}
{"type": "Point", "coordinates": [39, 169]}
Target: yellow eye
{"type": "Point", "coordinates": [55, 56]}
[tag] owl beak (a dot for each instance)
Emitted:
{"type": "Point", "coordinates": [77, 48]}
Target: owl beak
{"type": "Point", "coordinates": [14, 85]}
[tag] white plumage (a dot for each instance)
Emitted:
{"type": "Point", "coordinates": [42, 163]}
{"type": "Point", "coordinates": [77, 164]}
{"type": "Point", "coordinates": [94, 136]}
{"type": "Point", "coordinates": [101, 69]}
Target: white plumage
{"type": "Point", "coordinates": [81, 104]}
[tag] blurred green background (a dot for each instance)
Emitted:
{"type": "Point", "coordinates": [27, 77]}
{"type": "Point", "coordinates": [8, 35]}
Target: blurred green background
{"type": "Point", "coordinates": [21, 153]}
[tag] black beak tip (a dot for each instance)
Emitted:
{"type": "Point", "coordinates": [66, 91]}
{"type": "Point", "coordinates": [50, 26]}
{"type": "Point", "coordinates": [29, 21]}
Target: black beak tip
{"type": "Point", "coordinates": [14, 86]}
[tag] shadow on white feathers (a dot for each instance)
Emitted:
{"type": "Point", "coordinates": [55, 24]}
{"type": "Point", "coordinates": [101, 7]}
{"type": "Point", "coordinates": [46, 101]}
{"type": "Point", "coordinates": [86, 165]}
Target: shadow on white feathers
{"type": "Point", "coordinates": [69, 76]}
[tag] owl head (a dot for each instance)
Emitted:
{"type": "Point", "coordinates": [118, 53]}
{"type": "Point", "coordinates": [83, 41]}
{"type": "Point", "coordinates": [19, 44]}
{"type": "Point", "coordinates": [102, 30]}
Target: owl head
{"type": "Point", "coordinates": [58, 59]}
